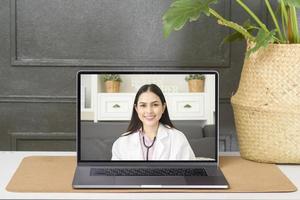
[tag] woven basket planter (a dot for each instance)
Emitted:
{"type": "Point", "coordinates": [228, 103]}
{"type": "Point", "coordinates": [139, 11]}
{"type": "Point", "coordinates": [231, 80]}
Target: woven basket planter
{"type": "Point", "coordinates": [267, 105]}
{"type": "Point", "coordinates": [112, 86]}
{"type": "Point", "coordinates": [196, 85]}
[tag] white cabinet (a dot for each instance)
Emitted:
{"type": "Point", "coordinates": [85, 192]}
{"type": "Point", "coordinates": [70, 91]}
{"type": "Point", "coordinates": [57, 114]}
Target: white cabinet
{"type": "Point", "coordinates": [186, 106]}
{"type": "Point", "coordinates": [115, 106]}
{"type": "Point", "coordinates": [181, 106]}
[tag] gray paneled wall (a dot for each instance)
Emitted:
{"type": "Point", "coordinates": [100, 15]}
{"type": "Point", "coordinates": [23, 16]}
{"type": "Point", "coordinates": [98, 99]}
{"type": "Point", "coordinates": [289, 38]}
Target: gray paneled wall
{"type": "Point", "coordinates": [110, 32]}
{"type": "Point", "coordinates": [43, 43]}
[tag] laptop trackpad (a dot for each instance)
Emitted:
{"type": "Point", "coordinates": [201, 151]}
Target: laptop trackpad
{"type": "Point", "coordinates": [150, 180]}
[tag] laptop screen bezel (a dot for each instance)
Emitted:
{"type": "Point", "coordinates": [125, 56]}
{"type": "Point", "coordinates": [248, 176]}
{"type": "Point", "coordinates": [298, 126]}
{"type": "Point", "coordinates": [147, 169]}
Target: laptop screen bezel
{"type": "Point", "coordinates": [145, 163]}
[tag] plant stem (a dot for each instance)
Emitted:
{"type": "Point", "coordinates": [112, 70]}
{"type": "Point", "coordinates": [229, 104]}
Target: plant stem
{"type": "Point", "coordinates": [294, 24]}
{"type": "Point", "coordinates": [289, 26]}
{"type": "Point", "coordinates": [259, 22]}
{"type": "Point", "coordinates": [274, 19]}
{"type": "Point", "coordinates": [232, 25]}
{"type": "Point", "coordinates": [284, 19]}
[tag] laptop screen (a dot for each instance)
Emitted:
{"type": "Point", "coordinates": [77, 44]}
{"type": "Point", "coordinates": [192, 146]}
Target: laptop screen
{"type": "Point", "coordinates": [147, 116]}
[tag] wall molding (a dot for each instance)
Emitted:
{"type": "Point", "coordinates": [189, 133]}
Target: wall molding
{"type": "Point", "coordinates": [225, 100]}
{"type": "Point", "coordinates": [36, 99]}
{"type": "Point", "coordinates": [17, 137]}
{"type": "Point", "coordinates": [223, 62]}
{"type": "Point", "coordinates": [57, 99]}
{"type": "Point", "coordinates": [114, 63]}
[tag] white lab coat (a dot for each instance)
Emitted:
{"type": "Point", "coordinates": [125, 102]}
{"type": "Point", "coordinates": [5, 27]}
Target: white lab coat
{"type": "Point", "coordinates": [170, 144]}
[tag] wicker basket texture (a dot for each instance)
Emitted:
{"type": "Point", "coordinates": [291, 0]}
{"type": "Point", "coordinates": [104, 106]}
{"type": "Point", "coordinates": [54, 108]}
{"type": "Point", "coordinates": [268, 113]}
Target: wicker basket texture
{"type": "Point", "coordinates": [267, 105]}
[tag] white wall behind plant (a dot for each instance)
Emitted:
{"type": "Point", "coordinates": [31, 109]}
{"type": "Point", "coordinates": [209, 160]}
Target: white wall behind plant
{"type": "Point", "coordinates": [170, 83]}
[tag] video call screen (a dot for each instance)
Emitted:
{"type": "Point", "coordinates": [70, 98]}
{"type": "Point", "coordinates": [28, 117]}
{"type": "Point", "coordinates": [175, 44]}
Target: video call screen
{"type": "Point", "coordinates": [147, 117]}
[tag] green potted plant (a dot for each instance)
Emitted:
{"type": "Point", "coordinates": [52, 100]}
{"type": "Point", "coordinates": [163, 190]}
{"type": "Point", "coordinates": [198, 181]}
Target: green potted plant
{"type": "Point", "coordinates": [195, 82]}
{"type": "Point", "coordinates": [112, 82]}
{"type": "Point", "coordinates": [267, 103]}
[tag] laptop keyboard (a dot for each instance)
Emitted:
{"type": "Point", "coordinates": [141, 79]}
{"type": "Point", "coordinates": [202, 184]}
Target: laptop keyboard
{"type": "Point", "coordinates": [147, 172]}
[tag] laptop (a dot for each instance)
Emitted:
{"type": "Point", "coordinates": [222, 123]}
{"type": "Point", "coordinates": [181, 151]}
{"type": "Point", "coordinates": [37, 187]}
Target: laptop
{"type": "Point", "coordinates": [148, 129]}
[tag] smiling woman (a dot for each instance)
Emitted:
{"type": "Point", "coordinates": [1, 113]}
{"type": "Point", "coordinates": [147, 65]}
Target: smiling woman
{"type": "Point", "coordinates": [151, 134]}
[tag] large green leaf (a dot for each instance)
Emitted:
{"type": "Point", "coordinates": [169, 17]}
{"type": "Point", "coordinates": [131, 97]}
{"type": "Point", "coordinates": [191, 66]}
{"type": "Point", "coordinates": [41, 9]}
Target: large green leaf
{"type": "Point", "coordinates": [295, 3]}
{"type": "Point", "coordinates": [263, 39]}
{"type": "Point", "coordinates": [182, 11]}
{"type": "Point", "coordinates": [250, 27]}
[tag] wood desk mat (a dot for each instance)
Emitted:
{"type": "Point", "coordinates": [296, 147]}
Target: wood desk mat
{"type": "Point", "coordinates": [55, 174]}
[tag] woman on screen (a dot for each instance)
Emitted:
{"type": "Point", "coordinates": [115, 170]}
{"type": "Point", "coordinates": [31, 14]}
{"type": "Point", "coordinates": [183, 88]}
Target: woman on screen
{"type": "Point", "coordinates": [151, 134]}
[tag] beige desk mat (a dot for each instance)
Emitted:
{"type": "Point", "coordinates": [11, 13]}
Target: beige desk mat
{"type": "Point", "coordinates": [55, 174]}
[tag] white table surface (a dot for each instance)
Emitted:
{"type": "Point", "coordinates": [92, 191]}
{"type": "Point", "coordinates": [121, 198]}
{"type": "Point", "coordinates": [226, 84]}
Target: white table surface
{"type": "Point", "coordinates": [10, 160]}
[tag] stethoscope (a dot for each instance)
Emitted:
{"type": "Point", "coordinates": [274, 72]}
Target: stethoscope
{"type": "Point", "coordinates": [148, 147]}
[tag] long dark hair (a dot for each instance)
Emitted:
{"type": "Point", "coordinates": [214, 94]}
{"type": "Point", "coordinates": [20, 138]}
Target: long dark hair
{"type": "Point", "coordinates": [135, 122]}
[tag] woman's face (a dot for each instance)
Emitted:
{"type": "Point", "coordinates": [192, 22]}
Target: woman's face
{"type": "Point", "coordinates": [149, 108]}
